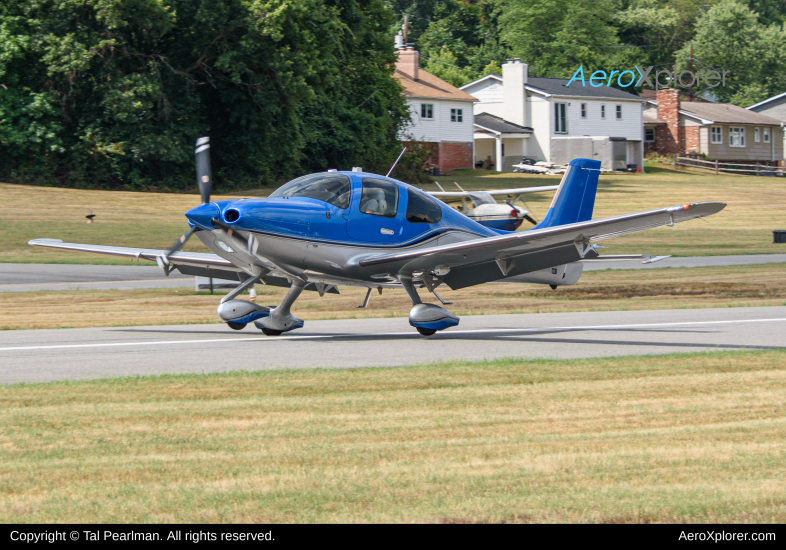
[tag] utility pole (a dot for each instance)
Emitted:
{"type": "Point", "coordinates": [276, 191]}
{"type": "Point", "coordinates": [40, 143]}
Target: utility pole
{"type": "Point", "coordinates": [406, 28]}
{"type": "Point", "coordinates": [690, 64]}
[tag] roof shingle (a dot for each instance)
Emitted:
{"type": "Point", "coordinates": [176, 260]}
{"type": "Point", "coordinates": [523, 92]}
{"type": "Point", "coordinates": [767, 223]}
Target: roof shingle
{"type": "Point", "coordinates": [726, 113]}
{"type": "Point", "coordinates": [428, 85]}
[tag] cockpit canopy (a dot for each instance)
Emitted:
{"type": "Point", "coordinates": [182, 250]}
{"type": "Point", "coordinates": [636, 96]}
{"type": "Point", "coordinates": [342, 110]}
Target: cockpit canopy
{"type": "Point", "coordinates": [333, 189]}
{"type": "Point", "coordinates": [481, 197]}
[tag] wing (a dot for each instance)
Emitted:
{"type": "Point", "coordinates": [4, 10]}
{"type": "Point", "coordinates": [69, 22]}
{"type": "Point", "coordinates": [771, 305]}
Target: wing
{"type": "Point", "coordinates": [479, 261]}
{"type": "Point", "coordinates": [188, 263]}
{"type": "Point", "coordinates": [494, 192]}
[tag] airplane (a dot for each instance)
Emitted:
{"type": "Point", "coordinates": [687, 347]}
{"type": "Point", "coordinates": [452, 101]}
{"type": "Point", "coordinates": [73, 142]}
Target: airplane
{"type": "Point", "coordinates": [337, 228]}
{"type": "Point", "coordinates": [487, 211]}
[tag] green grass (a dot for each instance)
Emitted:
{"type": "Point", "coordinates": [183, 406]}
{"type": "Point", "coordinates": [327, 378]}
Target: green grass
{"type": "Point", "coordinates": [155, 220]}
{"type": "Point", "coordinates": [677, 438]}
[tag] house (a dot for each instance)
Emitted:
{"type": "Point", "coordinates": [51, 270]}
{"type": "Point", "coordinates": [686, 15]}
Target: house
{"type": "Point", "coordinates": [774, 107]}
{"type": "Point", "coordinates": [522, 116]}
{"type": "Point", "coordinates": [441, 114]}
{"type": "Point", "coordinates": [719, 131]}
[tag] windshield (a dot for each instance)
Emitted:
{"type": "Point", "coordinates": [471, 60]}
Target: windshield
{"type": "Point", "coordinates": [481, 197]}
{"type": "Point", "coordinates": [330, 188]}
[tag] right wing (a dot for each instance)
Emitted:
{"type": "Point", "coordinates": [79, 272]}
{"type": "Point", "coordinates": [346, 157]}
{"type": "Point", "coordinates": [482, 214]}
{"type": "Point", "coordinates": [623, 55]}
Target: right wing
{"type": "Point", "coordinates": [483, 260]}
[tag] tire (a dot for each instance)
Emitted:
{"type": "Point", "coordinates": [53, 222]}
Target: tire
{"type": "Point", "coordinates": [237, 326]}
{"type": "Point", "coordinates": [426, 331]}
{"type": "Point", "coordinates": [271, 332]}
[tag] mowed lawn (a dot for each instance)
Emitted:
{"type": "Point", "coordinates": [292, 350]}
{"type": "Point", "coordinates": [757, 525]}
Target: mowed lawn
{"type": "Point", "coordinates": [680, 438]}
{"type": "Point", "coordinates": [155, 220]}
{"type": "Point", "coordinates": [729, 286]}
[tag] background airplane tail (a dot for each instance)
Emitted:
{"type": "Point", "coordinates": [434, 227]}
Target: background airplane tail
{"type": "Point", "coordinates": [574, 200]}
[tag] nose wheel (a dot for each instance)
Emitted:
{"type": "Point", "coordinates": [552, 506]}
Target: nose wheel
{"type": "Point", "coordinates": [237, 326]}
{"type": "Point", "coordinates": [271, 332]}
{"type": "Point", "coordinates": [426, 331]}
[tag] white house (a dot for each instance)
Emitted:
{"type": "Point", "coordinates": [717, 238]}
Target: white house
{"type": "Point", "coordinates": [441, 113]}
{"type": "Point", "coordinates": [547, 120]}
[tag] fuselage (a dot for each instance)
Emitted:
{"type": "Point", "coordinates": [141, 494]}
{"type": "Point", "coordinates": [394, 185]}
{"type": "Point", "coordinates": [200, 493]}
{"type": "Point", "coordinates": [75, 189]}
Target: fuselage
{"type": "Point", "coordinates": [323, 230]}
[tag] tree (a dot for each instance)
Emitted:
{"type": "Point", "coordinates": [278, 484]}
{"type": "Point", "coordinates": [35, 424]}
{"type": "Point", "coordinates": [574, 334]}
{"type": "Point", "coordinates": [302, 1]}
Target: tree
{"type": "Point", "coordinates": [729, 37]}
{"type": "Point", "coordinates": [111, 93]}
{"type": "Point", "coordinates": [555, 37]}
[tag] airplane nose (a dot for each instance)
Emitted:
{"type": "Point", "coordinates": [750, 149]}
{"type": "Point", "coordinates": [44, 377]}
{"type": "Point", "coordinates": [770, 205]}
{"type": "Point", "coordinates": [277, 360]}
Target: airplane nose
{"type": "Point", "coordinates": [203, 214]}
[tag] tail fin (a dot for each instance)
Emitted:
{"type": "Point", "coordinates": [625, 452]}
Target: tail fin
{"type": "Point", "coordinates": [575, 198]}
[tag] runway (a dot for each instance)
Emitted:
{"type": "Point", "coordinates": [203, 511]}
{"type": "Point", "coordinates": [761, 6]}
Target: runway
{"type": "Point", "coordinates": [73, 354]}
{"type": "Point", "coordinates": [33, 277]}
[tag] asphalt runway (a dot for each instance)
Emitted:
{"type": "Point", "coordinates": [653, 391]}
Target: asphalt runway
{"type": "Point", "coordinates": [72, 354]}
{"type": "Point", "coordinates": [31, 277]}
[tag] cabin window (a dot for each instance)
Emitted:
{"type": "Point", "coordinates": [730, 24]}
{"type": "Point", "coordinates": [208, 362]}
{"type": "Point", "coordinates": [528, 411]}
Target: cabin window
{"type": "Point", "coordinates": [649, 134]}
{"type": "Point", "coordinates": [619, 112]}
{"type": "Point", "coordinates": [716, 136]}
{"type": "Point", "coordinates": [602, 111]}
{"type": "Point", "coordinates": [561, 118]}
{"type": "Point", "coordinates": [422, 209]}
{"type": "Point", "coordinates": [330, 188]}
{"type": "Point", "coordinates": [737, 137]}
{"type": "Point", "coordinates": [457, 115]}
{"type": "Point", "coordinates": [379, 197]}
{"type": "Point", "coordinates": [756, 135]}
{"type": "Point", "coordinates": [766, 135]}
{"type": "Point", "coordinates": [583, 110]}
{"type": "Point", "coordinates": [426, 110]}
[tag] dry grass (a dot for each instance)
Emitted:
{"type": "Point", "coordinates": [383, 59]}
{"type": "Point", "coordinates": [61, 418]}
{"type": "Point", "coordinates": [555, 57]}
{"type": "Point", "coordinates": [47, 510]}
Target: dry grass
{"type": "Point", "coordinates": [732, 286]}
{"type": "Point", "coordinates": [156, 219]}
{"type": "Point", "coordinates": [681, 438]}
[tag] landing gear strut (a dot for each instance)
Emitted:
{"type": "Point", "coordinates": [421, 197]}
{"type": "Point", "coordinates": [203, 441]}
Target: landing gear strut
{"type": "Point", "coordinates": [281, 319]}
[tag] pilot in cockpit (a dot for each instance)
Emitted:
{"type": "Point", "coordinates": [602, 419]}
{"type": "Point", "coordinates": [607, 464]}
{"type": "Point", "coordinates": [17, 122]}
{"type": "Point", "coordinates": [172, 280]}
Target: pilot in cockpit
{"type": "Point", "coordinates": [373, 202]}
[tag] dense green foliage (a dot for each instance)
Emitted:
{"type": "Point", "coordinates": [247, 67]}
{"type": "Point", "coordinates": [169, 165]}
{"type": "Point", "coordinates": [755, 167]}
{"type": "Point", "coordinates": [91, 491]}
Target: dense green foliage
{"type": "Point", "coordinates": [114, 92]}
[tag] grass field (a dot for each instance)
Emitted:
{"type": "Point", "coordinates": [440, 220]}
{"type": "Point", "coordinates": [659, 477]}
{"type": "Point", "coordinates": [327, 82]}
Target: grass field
{"type": "Point", "coordinates": [680, 438]}
{"type": "Point", "coordinates": [156, 219]}
{"type": "Point", "coordinates": [732, 286]}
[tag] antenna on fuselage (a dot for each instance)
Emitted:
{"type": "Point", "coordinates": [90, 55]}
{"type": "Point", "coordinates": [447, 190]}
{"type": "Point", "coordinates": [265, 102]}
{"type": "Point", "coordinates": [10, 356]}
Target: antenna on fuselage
{"type": "Point", "coordinates": [404, 150]}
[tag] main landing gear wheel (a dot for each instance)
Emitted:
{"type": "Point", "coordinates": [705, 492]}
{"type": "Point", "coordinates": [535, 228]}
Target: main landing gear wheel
{"type": "Point", "coordinates": [237, 326]}
{"type": "Point", "coordinates": [426, 331]}
{"type": "Point", "coordinates": [271, 332]}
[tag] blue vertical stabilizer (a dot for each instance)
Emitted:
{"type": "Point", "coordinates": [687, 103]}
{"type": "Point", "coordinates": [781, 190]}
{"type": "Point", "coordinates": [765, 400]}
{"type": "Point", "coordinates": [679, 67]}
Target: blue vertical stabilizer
{"type": "Point", "coordinates": [575, 197]}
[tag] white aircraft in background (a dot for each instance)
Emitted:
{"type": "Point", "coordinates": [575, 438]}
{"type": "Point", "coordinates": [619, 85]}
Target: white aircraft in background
{"type": "Point", "coordinates": [487, 211]}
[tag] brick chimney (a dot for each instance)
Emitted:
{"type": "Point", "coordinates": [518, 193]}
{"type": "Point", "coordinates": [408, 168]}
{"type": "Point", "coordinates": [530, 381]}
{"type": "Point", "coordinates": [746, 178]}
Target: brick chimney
{"type": "Point", "coordinates": [408, 60]}
{"type": "Point", "coordinates": [668, 107]}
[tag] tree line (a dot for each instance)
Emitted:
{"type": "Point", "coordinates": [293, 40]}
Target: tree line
{"type": "Point", "coordinates": [113, 93]}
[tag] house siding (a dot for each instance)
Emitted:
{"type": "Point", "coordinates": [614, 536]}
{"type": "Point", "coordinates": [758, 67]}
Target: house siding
{"type": "Point", "coordinates": [775, 109]}
{"type": "Point", "coordinates": [440, 128]}
{"type": "Point", "coordinates": [752, 151]}
{"type": "Point", "coordinates": [629, 127]}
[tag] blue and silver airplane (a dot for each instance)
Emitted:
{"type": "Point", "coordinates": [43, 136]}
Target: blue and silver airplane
{"type": "Point", "coordinates": [332, 229]}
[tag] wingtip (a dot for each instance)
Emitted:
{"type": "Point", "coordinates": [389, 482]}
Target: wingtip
{"type": "Point", "coordinates": [36, 242]}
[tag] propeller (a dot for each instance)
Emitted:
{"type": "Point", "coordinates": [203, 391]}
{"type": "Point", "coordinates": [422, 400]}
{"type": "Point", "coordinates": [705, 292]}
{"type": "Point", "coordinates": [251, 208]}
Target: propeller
{"type": "Point", "coordinates": [204, 182]}
{"type": "Point", "coordinates": [527, 217]}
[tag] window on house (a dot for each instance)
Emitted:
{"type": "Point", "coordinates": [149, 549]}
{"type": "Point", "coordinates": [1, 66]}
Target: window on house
{"type": "Point", "coordinates": [619, 112]}
{"type": "Point", "coordinates": [602, 111]}
{"type": "Point", "coordinates": [737, 137]}
{"type": "Point", "coordinates": [649, 134]}
{"type": "Point", "coordinates": [716, 136]}
{"type": "Point", "coordinates": [457, 115]}
{"type": "Point", "coordinates": [561, 118]}
{"type": "Point", "coordinates": [426, 110]}
{"type": "Point", "coordinates": [766, 135]}
{"type": "Point", "coordinates": [756, 135]}
{"type": "Point", "coordinates": [583, 110]}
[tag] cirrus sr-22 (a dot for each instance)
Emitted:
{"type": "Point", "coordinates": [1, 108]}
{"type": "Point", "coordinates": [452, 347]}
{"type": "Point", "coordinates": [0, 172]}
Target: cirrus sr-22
{"type": "Point", "coordinates": [327, 230]}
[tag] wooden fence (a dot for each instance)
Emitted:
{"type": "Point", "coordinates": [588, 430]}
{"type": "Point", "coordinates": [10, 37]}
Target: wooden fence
{"type": "Point", "coordinates": [729, 167]}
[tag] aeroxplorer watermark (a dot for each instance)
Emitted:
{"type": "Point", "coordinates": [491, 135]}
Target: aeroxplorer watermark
{"type": "Point", "coordinates": [685, 79]}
